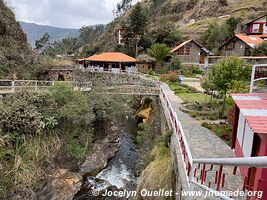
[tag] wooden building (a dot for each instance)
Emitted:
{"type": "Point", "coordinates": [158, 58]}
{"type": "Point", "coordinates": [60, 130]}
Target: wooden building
{"type": "Point", "coordinates": [249, 137]}
{"type": "Point", "coordinates": [191, 52]}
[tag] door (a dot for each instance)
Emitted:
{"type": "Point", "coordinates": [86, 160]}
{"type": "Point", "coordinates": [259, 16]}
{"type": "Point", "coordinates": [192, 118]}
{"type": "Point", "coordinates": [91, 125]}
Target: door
{"type": "Point", "coordinates": [261, 28]}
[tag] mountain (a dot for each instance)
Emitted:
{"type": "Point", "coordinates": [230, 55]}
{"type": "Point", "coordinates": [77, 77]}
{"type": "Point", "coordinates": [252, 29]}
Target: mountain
{"type": "Point", "coordinates": [190, 17]}
{"type": "Point", "coordinates": [35, 32]}
{"type": "Point", "coordinates": [17, 58]}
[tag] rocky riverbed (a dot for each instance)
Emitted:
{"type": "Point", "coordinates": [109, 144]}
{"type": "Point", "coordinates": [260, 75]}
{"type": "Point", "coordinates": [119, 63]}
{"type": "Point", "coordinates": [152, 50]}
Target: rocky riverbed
{"type": "Point", "coordinates": [122, 170]}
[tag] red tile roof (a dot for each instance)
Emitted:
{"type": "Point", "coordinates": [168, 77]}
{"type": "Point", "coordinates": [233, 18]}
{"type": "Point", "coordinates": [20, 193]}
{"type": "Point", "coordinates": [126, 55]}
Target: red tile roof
{"type": "Point", "coordinates": [257, 124]}
{"type": "Point", "coordinates": [111, 57]}
{"type": "Point", "coordinates": [252, 40]}
{"type": "Point", "coordinates": [254, 108]}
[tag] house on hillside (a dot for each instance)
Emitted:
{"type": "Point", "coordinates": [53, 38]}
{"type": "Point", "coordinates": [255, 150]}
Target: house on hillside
{"type": "Point", "coordinates": [191, 52]}
{"type": "Point", "coordinates": [249, 137]}
{"type": "Point", "coordinates": [241, 45]}
{"type": "Point", "coordinates": [257, 26]}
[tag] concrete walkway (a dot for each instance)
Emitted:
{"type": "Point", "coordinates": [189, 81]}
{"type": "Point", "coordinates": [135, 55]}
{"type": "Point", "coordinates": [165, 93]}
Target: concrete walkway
{"type": "Point", "coordinates": [202, 142]}
{"type": "Point", "coordinates": [194, 83]}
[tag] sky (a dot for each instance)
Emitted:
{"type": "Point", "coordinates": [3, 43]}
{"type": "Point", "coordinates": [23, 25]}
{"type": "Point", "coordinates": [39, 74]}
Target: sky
{"type": "Point", "coordinates": [64, 13]}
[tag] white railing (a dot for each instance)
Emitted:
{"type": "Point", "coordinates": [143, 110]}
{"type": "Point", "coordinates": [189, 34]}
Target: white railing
{"type": "Point", "coordinates": [10, 86]}
{"type": "Point", "coordinates": [253, 74]}
{"type": "Point", "coordinates": [205, 165]}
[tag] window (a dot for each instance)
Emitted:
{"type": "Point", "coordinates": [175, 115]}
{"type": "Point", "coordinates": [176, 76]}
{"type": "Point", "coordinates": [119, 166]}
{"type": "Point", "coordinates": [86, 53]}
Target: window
{"type": "Point", "coordinates": [185, 50]}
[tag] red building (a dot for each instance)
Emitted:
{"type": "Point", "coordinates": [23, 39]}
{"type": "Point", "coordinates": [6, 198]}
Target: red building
{"type": "Point", "coordinates": [249, 137]}
{"type": "Point", "coordinates": [257, 26]}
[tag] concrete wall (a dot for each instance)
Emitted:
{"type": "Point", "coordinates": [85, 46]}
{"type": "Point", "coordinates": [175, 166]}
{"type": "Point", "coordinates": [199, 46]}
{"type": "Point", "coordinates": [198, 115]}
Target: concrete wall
{"type": "Point", "coordinates": [177, 160]}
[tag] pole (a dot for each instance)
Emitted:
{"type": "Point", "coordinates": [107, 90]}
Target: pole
{"type": "Point", "coordinates": [252, 79]}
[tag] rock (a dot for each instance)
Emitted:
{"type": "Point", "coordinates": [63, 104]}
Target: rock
{"type": "Point", "coordinates": [97, 160]}
{"type": "Point", "coordinates": [112, 135]}
{"type": "Point", "coordinates": [63, 185]}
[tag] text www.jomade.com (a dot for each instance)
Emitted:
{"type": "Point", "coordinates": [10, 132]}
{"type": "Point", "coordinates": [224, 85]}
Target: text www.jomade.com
{"type": "Point", "coordinates": [167, 193]}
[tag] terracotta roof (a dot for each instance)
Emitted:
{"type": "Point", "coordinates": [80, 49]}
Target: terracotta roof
{"type": "Point", "coordinates": [251, 40]}
{"type": "Point", "coordinates": [254, 108]}
{"type": "Point", "coordinates": [111, 57]}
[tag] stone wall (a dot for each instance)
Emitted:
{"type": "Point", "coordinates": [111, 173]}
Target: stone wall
{"type": "Point", "coordinates": [111, 79]}
{"type": "Point", "coordinates": [234, 48]}
{"type": "Point", "coordinates": [194, 55]}
{"type": "Point", "coordinates": [61, 74]}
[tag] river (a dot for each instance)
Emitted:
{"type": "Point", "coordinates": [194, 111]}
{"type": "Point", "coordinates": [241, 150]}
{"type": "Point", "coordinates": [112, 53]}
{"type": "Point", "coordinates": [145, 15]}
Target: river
{"type": "Point", "coordinates": [123, 169]}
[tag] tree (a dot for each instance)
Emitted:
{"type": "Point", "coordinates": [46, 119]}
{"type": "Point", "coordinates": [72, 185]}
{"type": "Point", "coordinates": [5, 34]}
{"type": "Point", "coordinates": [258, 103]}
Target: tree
{"type": "Point", "coordinates": [261, 50]}
{"type": "Point", "coordinates": [225, 75]}
{"type": "Point", "coordinates": [134, 28]}
{"type": "Point", "coordinates": [123, 6]}
{"type": "Point", "coordinates": [42, 42]}
{"type": "Point", "coordinates": [217, 34]}
{"type": "Point", "coordinates": [159, 51]}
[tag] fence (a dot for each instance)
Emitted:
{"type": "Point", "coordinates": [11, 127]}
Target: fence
{"type": "Point", "coordinates": [199, 170]}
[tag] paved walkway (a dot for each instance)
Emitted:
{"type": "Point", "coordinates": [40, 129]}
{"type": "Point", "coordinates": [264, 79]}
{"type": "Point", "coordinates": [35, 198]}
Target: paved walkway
{"type": "Point", "coordinates": [194, 83]}
{"type": "Point", "coordinates": [202, 142]}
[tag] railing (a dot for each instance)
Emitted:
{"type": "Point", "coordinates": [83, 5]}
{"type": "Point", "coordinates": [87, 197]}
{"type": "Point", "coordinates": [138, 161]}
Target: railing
{"type": "Point", "coordinates": [208, 173]}
{"type": "Point", "coordinates": [9, 86]}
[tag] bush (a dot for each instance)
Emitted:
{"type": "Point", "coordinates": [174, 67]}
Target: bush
{"type": "Point", "coordinates": [170, 76]}
{"type": "Point", "coordinates": [75, 149]}
{"type": "Point", "coordinates": [20, 116]}
{"type": "Point", "coordinates": [174, 64]}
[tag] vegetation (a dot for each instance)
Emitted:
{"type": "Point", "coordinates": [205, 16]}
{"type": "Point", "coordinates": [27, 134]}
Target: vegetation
{"type": "Point", "coordinates": [261, 50]}
{"type": "Point", "coordinates": [42, 42]}
{"type": "Point", "coordinates": [171, 76]}
{"type": "Point", "coordinates": [160, 52]}
{"type": "Point", "coordinates": [217, 34]}
{"type": "Point", "coordinates": [222, 130]}
{"type": "Point", "coordinates": [134, 29]}
{"type": "Point", "coordinates": [158, 173]}
{"type": "Point", "coordinates": [230, 74]}
{"type": "Point", "coordinates": [70, 46]}
{"type": "Point", "coordinates": [40, 129]}
{"type": "Point", "coordinates": [17, 60]}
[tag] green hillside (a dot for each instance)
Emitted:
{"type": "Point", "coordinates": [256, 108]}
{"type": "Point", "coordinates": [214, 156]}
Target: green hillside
{"type": "Point", "coordinates": [189, 17]}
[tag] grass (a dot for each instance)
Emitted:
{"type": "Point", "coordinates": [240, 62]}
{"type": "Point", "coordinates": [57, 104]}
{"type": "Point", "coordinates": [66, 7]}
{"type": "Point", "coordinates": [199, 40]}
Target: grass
{"type": "Point", "coordinates": [223, 130]}
{"type": "Point", "coordinates": [194, 97]}
{"type": "Point", "coordinates": [158, 174]}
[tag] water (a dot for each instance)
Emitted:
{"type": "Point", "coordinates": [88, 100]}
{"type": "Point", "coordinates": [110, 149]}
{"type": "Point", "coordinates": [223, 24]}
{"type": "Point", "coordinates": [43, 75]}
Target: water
{"type": "Point", "coordinates": [123, 169]}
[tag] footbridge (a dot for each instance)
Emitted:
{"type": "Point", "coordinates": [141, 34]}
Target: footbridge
{"type": "Point", "coordinates": [201, 161]}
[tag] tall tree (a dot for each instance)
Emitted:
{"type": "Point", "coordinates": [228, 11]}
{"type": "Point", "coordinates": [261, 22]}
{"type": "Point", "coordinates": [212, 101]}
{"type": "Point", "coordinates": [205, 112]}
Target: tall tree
{"type": "Point", "coordinates": [42, 42]}
{"type": "Point", "coordinates": [134, 28]}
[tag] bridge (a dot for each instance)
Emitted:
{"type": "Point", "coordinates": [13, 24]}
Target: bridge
{"type": "Point", "coordinates": [201, 161]}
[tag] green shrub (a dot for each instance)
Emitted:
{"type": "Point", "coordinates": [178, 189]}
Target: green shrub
{"type": "Point", "coordinates": [171, 76]}
{"type": "Point", "coordinates": [75, 150]}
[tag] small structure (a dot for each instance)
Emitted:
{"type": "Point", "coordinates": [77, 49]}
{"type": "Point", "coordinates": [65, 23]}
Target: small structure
{"type": "Point", "coordinates": [257, 26]}
{"type": "Point", "coordinates": [191, 52]}
{"type": "Point", "coordinates": [112, 61]}
{"type": "Point", "coordinates": [241, 45]}
{"type": "Point", "coordinates": [145, 63]}
{"type": "Point", "coordinates": [249, 137]}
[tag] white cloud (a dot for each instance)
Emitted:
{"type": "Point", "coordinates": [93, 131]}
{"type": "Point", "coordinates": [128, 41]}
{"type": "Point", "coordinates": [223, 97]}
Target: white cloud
{"type": "Point", "coordinates": [64, 13]}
